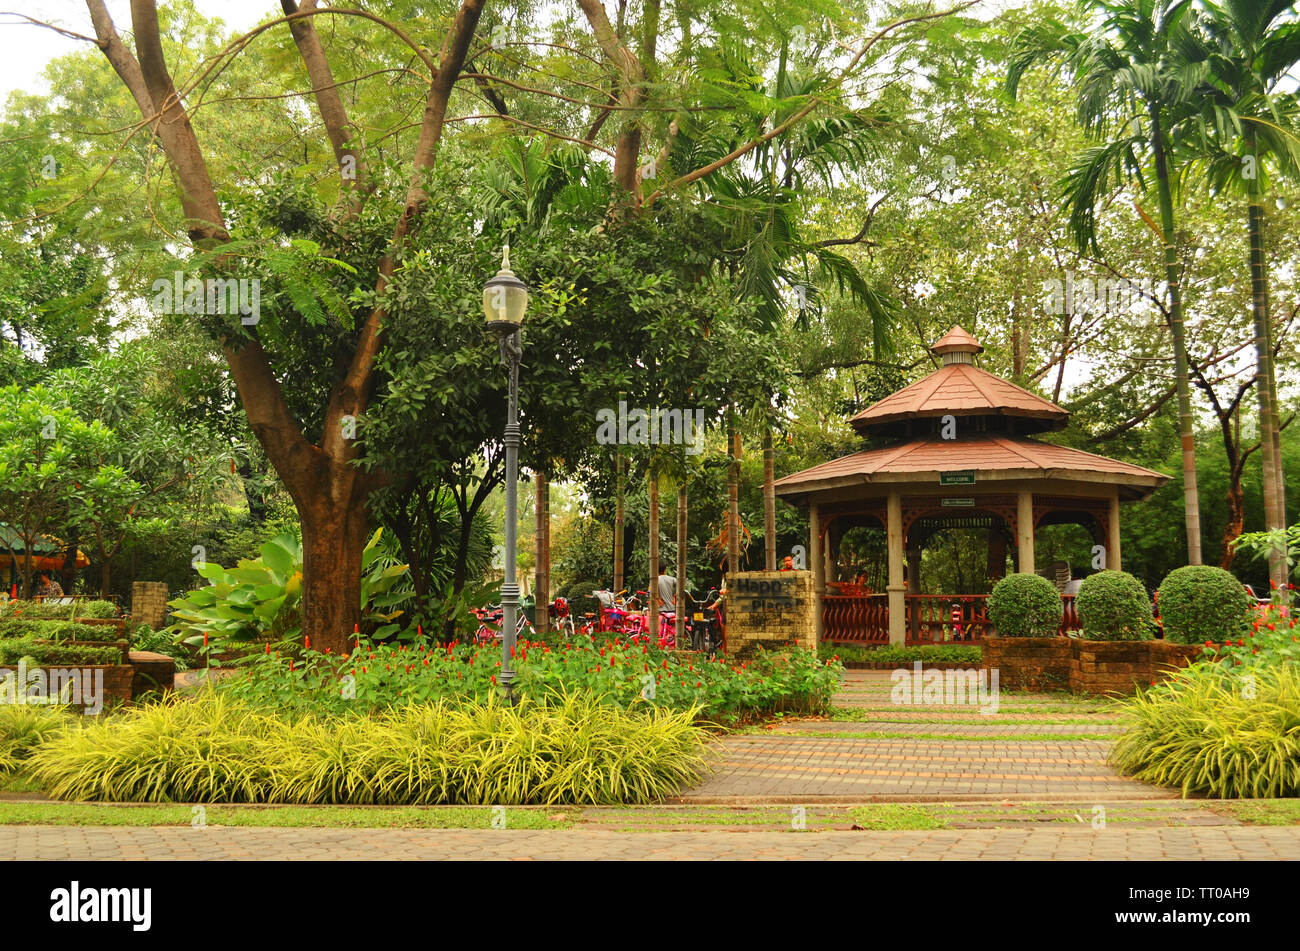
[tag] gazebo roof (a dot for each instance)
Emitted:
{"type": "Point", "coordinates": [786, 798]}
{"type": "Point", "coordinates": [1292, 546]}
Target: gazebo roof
{"type": "Point", "coordinates": [993, 457]}
{"type": "Point", "coordinates": [959, 388]}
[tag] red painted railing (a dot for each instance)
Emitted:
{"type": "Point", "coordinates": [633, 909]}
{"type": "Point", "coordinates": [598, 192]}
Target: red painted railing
{"type": "Point", "coordinates": [931, 618]}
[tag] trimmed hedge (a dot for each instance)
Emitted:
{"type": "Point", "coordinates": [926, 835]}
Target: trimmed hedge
{"type": "Point", "coordinates": [1201, 603]}
{"type": "Point", "coordinates": [1114, 606]}
{"type": "Point", "coordinates": [46, 610]}
{"type": "Point", "coordinates": [1025, 605]}
{"type": "Point", "coordinates": [15, 649]}
{"type": "Point", "coordinates": [56, 630]}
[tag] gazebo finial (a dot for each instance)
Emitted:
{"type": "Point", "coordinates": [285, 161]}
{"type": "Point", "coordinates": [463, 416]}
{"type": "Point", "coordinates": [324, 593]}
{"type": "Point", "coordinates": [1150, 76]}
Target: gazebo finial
{"type": "Point", "coordinates": [957, 346]}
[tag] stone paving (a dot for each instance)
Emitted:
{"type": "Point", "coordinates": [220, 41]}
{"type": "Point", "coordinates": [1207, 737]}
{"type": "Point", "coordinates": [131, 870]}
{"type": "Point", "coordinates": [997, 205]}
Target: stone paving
{"type": "Point", "coordinates": [1036, 844]}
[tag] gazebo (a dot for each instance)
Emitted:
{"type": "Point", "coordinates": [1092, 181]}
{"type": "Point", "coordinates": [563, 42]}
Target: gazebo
{"type": "Point", "coordinates": [952, 450]}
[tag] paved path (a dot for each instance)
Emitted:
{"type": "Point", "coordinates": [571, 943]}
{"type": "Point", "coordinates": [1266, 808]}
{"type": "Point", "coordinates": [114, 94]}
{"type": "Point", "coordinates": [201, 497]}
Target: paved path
{"type": "Point", "coordinates": [128, 844]}
{"type": "Point", "coordinates": [958, 752]}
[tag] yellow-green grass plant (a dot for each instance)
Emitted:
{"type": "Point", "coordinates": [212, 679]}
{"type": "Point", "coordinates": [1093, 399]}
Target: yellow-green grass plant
{"type": "Point", "coordinates": [23, 726]}
{"type": "Point", "coordinates": [571, 749]}
{"type": "Point", "coordinates": [1217, 731]}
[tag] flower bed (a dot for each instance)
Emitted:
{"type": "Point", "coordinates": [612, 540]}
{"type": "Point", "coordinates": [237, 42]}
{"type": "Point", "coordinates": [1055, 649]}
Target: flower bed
{"type": "Point", "coordinates": [615, 672]}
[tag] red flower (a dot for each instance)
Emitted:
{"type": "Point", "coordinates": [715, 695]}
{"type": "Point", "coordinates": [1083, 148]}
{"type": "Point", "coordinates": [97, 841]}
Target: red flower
{"type": "Point", "coordinates": [1241, 642]}
{"type": "Point", "coordinates": [306, 641]}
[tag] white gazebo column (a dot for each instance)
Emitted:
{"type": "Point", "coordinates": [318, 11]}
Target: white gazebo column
{"type": "Point", "coordinates": [897, 601]}
{"type": "Point", "coordinates": [815, 552]}
{"type": "Point", "coordinates": [1112, 525]}
{"type": "Point", "coordinates": [1025, 530]}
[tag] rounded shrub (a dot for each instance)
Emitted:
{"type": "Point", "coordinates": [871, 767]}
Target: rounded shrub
{"type": "Point", "coordinates": [1201, 602]}
{"type": "Point", "coordinates": [1113, 606]}
{"type": "Point", "coordinates": [1025, 605]}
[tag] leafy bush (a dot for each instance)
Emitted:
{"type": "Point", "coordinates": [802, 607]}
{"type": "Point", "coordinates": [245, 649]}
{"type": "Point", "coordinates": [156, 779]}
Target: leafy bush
{"type": "Point", "coordinates": [1201, 602]}
{"type": "Point", "coordinates": [214, 749]}
{"type": "Point", "coordinates": [1025, 605]}
{"type": "Point", "coordinates": [56, 630]}
{"type": "Point", "coordinates": [23, 726]}
{"type": "Point", "coordinates": [1113, 606]}
{"type": "Point", "coordinates": [15, 649]}
{"type": "Point", "coordinates": [260, 598]}
{"type": "Point", "coordinates": [49, 610]}
{"type": "Point", "coordinates": [619, 674]}
{"type": "Point", "coordinates": [1214, 730]}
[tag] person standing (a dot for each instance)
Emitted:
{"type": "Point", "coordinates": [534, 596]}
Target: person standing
{"type": "Point", "coordinates": [47, 587]}
{"type": "Point", "coordinates": [667, 591]}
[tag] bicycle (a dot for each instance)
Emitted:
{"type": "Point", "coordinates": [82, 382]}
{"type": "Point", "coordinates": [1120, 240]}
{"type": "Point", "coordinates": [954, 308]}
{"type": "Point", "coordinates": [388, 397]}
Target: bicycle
{"type": "Point", "coordinates": [494, 614]}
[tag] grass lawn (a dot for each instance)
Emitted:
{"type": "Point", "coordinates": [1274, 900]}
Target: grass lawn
{"type": "Point", "coordinates": [1262, 812]}
{"type": "Point", "coordinates": [335, 817]}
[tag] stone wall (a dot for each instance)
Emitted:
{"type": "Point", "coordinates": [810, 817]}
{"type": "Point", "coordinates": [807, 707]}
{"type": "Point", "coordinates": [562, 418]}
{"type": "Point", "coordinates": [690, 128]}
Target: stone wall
{"type": "Point", "coordinates": [1084, 666]}
{"type": "Point", "coordinates": [770, 609]}
{"type": "Point", "coordinates": [149, 604]}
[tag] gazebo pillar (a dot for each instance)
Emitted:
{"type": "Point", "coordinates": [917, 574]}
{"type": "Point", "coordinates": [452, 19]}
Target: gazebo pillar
{"type": "Point", "coordinates": [1112, 528]}
{"type": "Point", "coordinates": [815, 552]}
{"type": "Point", "coordinates": [895, 589]}
{"type": "Point", "coordinates": [1025, 531]}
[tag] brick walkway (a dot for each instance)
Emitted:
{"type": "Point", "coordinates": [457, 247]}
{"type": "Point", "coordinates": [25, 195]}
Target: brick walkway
{"type": "Point", "coordinates": [127, 844]}
{"type": "Point", "coordinates": [952, 761]}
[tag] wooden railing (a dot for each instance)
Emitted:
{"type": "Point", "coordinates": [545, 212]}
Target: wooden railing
{"type": "Point", "coordinates": [931, 618]}
{"type": "Point", "coordinates": [856, 619]}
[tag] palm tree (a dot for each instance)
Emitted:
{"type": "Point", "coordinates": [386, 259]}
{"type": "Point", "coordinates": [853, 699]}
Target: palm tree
{"type": "Point", "coordinates": [774, 262]}
{"type": "Point", "coordinates": [1133, 90]}
{"type": "Point", "coordinates": [1245, 124]}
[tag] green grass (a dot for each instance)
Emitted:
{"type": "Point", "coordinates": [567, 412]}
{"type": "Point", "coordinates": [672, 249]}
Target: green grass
{"type": "Point", "coordinates": [1267, 812]}
{"type": "Point", "coordinates": [860, 715]}
{"type": "Point", "coordinates": [332, 817]}
{"type": "Point", "coordinates": [963, 737]}
{"type": "Point", "coordinates": [890, 817]}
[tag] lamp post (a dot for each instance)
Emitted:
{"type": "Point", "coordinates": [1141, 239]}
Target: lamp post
{"type": "Point", "coordinates": [505, 299]}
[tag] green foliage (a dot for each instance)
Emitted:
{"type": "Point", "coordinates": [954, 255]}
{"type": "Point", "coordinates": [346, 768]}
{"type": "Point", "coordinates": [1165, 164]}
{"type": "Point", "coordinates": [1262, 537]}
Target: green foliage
{"type": "Point", "coordinates": [260, 598]}
{"type": "Point", "coordinates": [23, 727]}
{"type": "Point", "coordinates": [14, 649]}
{"type": "Point", "coordinates": [47, 610]}
{"type": "Point", "coordinates": [1211, 730]}
{"type": "Point", "coordinates": [1113, 606]}
{"type": "Point", "coordinates": [1201, 602]}
{"type": "Point", "coordinates": [1025, 605]}
{"type": "Point", "coordinates": [56, 630]}
{"type": "Point", "coordinates": [145, 638]}
{"type": "Point", "coordinates": [1260, 545]}
{"type": "Point", "coordinates": [1272, 639]}
{"type": "Point", "coordinates": [212, 748]}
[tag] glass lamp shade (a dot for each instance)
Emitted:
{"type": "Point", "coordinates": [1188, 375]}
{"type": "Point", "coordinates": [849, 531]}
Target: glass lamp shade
{"type": "Point", "coordinates": [505, 298]}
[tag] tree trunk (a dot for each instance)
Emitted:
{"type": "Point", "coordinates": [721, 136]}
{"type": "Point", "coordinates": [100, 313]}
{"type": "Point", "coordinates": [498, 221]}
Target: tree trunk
{"type": "Point", "coordinates": [620, 514]}
{"type": "Point", "coordinates": [105, 565]}
{"type": "Point", "coordinates": [733, 496]}
{"type": "Point", "coordinates": [542, 570]}
{"type": "Point", "coordinates": [1236, 519]}
{"type": "Point", "coordinates": [769, 500]}
{"type": "Point", "coordinates": [653, 590]}
{"type": "Point", "coordinates": [1187, 433]}
{"type": "Point", "coordinates": [1274, 518]}
{"type": "Point", "coordinates": [682, 542]}
{"type": "Point", "coordinates": [331, 572]}
{"type": "Point", "coordinates": [68, 573]}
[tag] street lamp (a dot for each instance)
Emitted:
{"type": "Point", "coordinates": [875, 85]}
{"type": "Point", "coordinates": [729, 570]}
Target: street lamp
{"type": "Point", "coordinates": [505, 299]}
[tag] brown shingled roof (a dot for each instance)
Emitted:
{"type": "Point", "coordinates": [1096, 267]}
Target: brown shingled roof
{"type": "Point", "coordinates": [960, 389]}
{"type": "Point", "coordinates": [957, 339]}
{"type": "Point", "coordinates": [993, 456]}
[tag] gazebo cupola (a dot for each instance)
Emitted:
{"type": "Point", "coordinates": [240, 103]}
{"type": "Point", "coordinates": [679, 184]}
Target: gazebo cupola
{"type": "Point", "coordinates": [953, 450]}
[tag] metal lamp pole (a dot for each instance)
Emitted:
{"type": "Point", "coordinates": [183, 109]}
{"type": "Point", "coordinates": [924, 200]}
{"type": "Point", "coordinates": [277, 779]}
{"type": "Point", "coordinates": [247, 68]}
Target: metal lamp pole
{"type": "Point", "coordinates": [505, 299]}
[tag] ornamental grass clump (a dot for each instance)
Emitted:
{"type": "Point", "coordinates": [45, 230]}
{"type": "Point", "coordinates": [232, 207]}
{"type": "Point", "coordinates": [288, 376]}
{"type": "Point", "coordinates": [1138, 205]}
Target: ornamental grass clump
{"type": "Point", "coordinates": [1201, 602]}
{"type": "Point", "coordinates": [1211, 729]}
{"type": "Point", "coordinates": [211, 748]}
{"type": "Point", "coordinates": [1113, 606]}
{"type": "Point", "coordinates": [24, 726]}
{"type": "Point", "coordinates": [1025, 605]}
